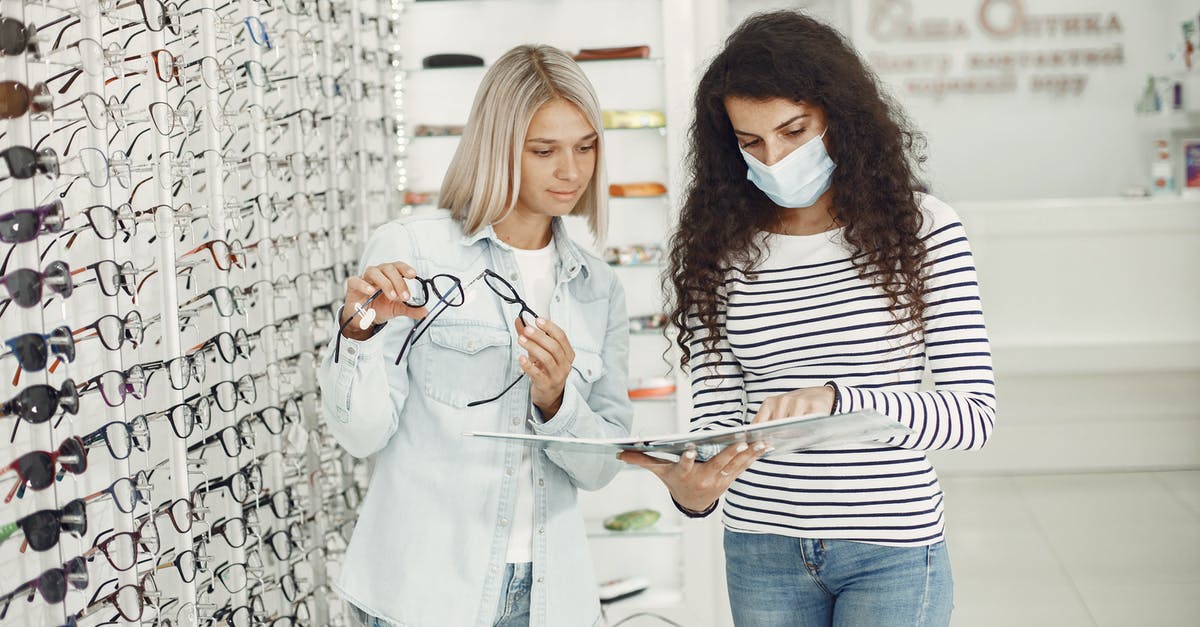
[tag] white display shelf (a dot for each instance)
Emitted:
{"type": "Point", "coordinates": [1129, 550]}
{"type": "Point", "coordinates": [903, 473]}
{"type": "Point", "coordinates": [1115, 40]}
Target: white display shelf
{"type": "Point", "coordinates": [660, 529]}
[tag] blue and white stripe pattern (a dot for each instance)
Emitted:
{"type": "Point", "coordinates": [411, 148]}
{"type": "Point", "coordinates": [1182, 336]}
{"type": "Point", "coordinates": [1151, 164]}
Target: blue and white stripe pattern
{"type": "Point", "coordinates": [804, 318]}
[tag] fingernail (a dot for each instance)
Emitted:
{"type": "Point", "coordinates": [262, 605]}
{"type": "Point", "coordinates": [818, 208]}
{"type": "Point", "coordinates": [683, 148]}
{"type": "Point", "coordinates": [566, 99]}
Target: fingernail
{"type": "Point", "coordinates": [741, 447]}
{"type": "Point", "coordinates": [392, 294]}
{"type": "Point", "coordinates": [521, 340]}
{"type": "Point", "coordinates": [541, 322]}
{"type": "Point", "coordinates": [529, 331]}
{"type": "Point", "coordinates": [522, 360]}
{"type": "Point", "coordinates": [760, 446]}
{"type": "Point", "coordinates": [689, 454]}
{"type": "Point", "coordinates": [403, 296]}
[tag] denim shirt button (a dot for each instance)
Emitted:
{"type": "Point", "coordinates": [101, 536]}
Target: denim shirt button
{"type": "Point", "coordinates": [513, 277]}
{"type": "Point", "coordinates": [542, 531]}
{"type": "Point", "coordinates": [541, 579]}
{"type": "Point", "coordinates": [503, 522]}
{"type": "Point", "coordinates": [541, 482]}
{"type": "Point", "coordinates": [351, 351]}
{"type": "Point", "coordinates": [509, 471]}
{"type": "Point", "coordinates": [516, 421]}
{"type": "Point", "coordinates": [470, 345]}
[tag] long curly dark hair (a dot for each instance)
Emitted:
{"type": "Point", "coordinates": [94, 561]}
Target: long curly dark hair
{"type": "Point", "coordinates": [785, 54]}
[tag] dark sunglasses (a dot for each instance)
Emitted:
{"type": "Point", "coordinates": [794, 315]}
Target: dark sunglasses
{"type": "Point", "coordinates": [17, 38]}
{"type": "Point", "coordinates": [23, 162]}
{"type": "Point", "coordinates": [36, 404]}
{"type": "Point", "coordinates": [52, 584]}
{"type": "Point", "coordinates": [43, 528]}
{"type": "Point", "coordinates": [25, 285]}
{"type": "Point", "coordinates": [33, 350]}
{"type": "Point", "coordinates": [36, 468]}
{"type": "Point", "coordinates": [24, 225]}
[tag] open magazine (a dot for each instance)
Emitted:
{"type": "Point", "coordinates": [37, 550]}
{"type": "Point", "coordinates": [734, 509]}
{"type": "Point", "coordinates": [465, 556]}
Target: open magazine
{"type": "Point", "coordinates": [784, 436]}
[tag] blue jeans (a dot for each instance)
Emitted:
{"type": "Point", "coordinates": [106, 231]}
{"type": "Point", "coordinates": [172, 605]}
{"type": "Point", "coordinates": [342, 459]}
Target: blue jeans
{"type": "Point", "coordinates": [513, 610]}
{"type": "Point", "coordinates": [779, 581]}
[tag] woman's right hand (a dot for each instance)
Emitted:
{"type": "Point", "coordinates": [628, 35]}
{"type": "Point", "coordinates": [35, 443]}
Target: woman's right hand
{"type": "Point", "coordinates": [388, 277]}
{"type": "Point", "coordinates": [696, 485]}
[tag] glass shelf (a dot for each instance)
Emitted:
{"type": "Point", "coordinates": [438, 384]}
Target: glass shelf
{"type": "Point", "coordinates": [660, 529]}
{"type": "Point", "coordinates": [657, 61]}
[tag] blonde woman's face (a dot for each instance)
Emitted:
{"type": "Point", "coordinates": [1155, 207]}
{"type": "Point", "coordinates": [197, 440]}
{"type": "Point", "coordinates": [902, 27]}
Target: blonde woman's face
{"type": "Point", "coordinates": [558, 160]}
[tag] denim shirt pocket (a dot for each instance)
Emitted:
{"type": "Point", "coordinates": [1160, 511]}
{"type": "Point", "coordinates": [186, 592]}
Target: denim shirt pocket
{"type": "Point", "coordinates": [469, 364]}
{"type": "Point", "coordinates": [587, 368]}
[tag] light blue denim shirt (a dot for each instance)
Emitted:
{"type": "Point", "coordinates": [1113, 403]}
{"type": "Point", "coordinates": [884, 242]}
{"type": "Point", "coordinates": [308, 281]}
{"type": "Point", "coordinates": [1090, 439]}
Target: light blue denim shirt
{"type": "Point", "coordinates": [429, 546]}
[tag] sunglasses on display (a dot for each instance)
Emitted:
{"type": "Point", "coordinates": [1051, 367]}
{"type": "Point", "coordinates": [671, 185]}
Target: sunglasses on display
{"type": "Point", "coordinates": [42, 528]}
{"type": "Point", "coordinates": [24, 286]}
{"type": "Point", "coordinates": [17, 99]}
{"type": "Point", "coordinates": [33, 350]}
{"type": "Point", "coordinates": [18, 38]}
{"type": "Point", "coordinates": [51, 584]}
{"type": "Point", "coordinates": [25, 225]}
{"type": "Point", "coordinates": [36, 469]}
{"type": "Point", "coordinates": [36, 404]}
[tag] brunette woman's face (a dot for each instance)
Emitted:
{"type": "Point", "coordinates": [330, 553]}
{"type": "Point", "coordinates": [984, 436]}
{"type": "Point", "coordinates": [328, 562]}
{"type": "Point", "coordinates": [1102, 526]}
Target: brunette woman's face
{"type": "Point", "coordinates": [771, 129]}
{"type": "Point", "coordinates": [558, 160]}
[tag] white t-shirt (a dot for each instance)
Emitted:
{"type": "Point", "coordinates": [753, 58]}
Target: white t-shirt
{"type": "Point", "coordinates": [537, 268]}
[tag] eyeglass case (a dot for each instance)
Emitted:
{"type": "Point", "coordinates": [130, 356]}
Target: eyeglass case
{"type": "Point", "coordinates": [451, 59]}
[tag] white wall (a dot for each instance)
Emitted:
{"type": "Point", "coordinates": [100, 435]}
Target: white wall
{"type": "Point", "coordinates": [1026, 144]}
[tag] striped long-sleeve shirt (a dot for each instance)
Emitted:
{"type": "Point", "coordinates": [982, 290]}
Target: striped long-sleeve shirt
{"type": "Point", "coordinates": [803, 318]}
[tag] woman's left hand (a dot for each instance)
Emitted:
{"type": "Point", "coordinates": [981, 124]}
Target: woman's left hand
{"type": "Point", "coordinates": [805, 401]}
{"type": "Point", "coordinates": [547, 364]}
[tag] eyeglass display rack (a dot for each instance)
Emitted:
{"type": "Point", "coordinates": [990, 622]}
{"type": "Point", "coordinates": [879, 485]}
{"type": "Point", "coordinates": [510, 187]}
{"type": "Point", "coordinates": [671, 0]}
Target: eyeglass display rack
{"type": "Point", "coordinates": [668, 554]}
{"type": "Point", "coordinates": [207, 173]}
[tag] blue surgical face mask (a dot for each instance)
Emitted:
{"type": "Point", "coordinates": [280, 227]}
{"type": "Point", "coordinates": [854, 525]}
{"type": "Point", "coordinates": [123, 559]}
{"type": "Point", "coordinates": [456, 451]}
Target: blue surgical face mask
{"type": "Point", "coordinates": [796, 180]}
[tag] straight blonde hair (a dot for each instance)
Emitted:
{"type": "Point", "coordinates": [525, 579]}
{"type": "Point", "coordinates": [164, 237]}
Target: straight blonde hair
{"type": "Point", "coordinates": [484, 178]}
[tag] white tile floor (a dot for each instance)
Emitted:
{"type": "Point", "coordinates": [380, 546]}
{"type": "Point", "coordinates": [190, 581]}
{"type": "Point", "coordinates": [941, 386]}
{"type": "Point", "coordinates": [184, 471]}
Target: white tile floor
{"type": "Point", "coordinates": [1102, 549]}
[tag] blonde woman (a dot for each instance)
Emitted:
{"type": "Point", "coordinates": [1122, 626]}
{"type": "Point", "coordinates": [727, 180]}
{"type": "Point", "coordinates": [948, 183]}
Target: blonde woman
{"type": "Point", "coordinates": [486, 317]}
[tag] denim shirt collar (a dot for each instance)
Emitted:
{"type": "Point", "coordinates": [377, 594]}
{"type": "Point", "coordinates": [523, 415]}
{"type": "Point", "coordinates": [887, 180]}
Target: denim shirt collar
{"type": "Point", "coordinates": [570, 258]}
